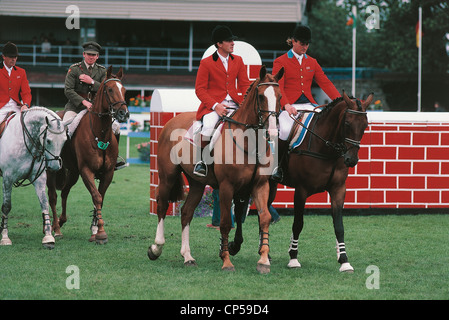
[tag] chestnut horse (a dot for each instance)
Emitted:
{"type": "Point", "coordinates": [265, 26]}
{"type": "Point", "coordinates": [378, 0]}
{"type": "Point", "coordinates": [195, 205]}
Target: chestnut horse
{"type": "Point", "coordinates": [321, 163]}
{"type": "Point", "coordinates": [235, 177]}
{"type": "Point", "coordinates": [92, 153]}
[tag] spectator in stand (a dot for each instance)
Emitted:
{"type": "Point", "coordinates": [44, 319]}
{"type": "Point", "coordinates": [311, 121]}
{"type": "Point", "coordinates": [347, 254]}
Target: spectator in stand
{"type": "Point", "coordinates": [438, 107]}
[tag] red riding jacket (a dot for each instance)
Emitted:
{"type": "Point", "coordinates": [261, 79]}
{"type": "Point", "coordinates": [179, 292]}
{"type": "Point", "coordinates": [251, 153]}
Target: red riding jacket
{"type": "Point", "coordinates": [297, 79]}
{"type": "Point", "coordinates": [14, 87]}
{"type": "Point", "coordinates": [213, 82]}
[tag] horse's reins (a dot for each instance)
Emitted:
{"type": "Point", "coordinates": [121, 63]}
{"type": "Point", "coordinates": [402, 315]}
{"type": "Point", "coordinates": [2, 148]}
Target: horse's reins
{"type": "Point", "coordinates": [260, 125]}
{"type": "Point", "coordinates": [103, 145]}
{"type": "Point", "coordinates": [40, 148]}
{"type": "Point", "coordinates": [340, 148]}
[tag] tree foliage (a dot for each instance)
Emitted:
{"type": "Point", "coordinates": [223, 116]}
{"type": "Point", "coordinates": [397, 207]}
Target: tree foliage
{"type": "Point", "coordinates": [392, 46]}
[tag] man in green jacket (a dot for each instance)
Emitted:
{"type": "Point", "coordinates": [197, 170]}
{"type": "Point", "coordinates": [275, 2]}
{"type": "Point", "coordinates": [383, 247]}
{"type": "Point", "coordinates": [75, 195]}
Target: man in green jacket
{"type": "Point", "coordinates": [82, 83]}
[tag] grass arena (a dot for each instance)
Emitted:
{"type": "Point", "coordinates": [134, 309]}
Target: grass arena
{"type": "Point", "coordinates": [394, 256]}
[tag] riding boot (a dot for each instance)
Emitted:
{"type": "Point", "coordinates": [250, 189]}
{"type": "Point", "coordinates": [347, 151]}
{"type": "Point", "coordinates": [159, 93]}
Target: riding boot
{"type": "Point", "coordinates": [120, 161]}
{"type": "Point", "coordinates": [278, 173]}
{"type": "Point", "coordinates": [200, 168]}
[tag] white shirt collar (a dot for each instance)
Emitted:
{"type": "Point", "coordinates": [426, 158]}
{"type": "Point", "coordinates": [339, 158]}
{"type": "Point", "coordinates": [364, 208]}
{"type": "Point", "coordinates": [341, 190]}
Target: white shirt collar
{"type": "Point", "coordinates": [224, 60]}
{"type": "Point", "coordinates": [298, 56]}
{"type": "Point", "coordinates": [7, 69]}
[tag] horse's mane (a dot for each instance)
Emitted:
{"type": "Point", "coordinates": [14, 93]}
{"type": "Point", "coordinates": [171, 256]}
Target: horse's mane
{"type": "Point", "coordinates": [250, 93]}
{"type": "Point", "coordinates": [327, 108]}
{"type": "Point", "coordinates": [43, 109]}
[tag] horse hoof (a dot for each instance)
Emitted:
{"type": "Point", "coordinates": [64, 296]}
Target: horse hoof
{"type": "Point", "coordinates": [92, 238]}
{"type": "Point", "coordinates": [49, 245]}
{"type": "Point", "coordinates": [190, 263]}
{"type": "Point", "coordinates": [228, 269]}
{"type": "Point", "coordinates": [233, 248]}
{"type": "Point", "coordinates": [59, 236]}
{"type": "Point", "coordinates": [263, 268]}
{"type": "Point", "coordinates": [5, 242]}
{"type": "Point", "coordinates": [101, 241]}
{"type": "Point", "coordinates": [294, 263]}
{"type": "Point", "coordinates": [151, 254]}
{"type": "Point", "coordinates": [101, 238]}
{"type": "Point", "coordinates": [346, 267]}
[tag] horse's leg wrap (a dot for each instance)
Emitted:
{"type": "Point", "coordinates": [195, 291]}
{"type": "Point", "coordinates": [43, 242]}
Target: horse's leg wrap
{"type": "Point", "coordinates": [293, 252]}
{"type": "Point", "coordinates": [343, 258]}
{"type": "Point", "coordinates": [48, 241]}
{"type": "Point", "coordinates": [263, 236]}
{"type": "Point", "coordinates": [5, 241]}
{"type": "Point", "coordinates": [224, 254]}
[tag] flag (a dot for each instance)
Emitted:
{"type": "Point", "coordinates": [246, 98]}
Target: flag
{"type": "Point", "coordinates": [352, 21]}
{"type": "Point", "coordinates": [418, 34]}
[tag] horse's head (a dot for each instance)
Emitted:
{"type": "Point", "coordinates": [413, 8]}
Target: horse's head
{"type": "Point", "coordinates": [268, 101]}
{"type": "Point", "coordinates": [114, 96]}
{"type": "Point", "coordinates": [53, 139]}
{"type": "Point", "coordinates": [355, 123]}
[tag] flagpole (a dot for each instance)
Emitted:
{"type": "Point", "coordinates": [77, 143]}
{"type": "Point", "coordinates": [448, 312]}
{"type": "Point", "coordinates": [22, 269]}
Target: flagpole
{"type": "Point", "coordinates": [419, 57]}
{"type": "Point", "coordinates": [354, 29]}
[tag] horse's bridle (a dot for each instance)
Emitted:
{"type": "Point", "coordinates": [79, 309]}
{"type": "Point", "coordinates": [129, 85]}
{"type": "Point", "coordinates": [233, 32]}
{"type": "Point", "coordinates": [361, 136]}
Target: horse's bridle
{"type": "Point", "coordinates": [339, 147]}
{"type": "Point", "coordinates": [111, 111]}
{"type": "Point", "coordinates": [40, 149]}
{"type": "Point", "coordinates": [259, 111]}
{"type": "Point", "coordinates": [353, 143]}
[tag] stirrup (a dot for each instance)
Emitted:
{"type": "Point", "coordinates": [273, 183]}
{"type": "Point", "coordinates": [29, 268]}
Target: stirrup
{"type": "Point", "coordinates": [200, 169]}
{"type": "Point", "coordinates": [121, 164]}
{"type": "Point", "coordinates": [277, 175]}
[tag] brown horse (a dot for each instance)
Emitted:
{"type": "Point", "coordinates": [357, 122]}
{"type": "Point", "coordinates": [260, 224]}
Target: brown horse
{"type": "Point", "coordinates": [321, 163]}
{"type": "Point", "coordinates": [92, 153]}
{"type": "Point", "coordinates": [236, 170]}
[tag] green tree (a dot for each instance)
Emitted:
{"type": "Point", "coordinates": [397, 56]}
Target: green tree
{"type": "Point", "coordinates": [392, 46]}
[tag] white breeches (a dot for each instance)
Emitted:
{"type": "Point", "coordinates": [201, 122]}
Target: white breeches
{"type": "Point", "coordinates": [211, 119]}
{"type": "Point", "coordinates": [10, 106]}
{"type": "Point", "coordinates": [286, 122]}
{"type": "Point", "coordinates": [70, 115]}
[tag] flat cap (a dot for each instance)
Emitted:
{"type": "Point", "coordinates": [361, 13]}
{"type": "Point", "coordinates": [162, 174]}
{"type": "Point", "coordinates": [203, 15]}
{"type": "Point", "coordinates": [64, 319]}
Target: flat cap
{"type": "Point", "coordinates": [91, 47]}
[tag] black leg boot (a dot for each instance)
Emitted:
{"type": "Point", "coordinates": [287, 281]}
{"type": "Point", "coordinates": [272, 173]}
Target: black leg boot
{"type": "Point", "coordinates": [200, 168]}
{"type": "Point", "coordinates": [120, 161]}
{"type": "Point", "coordinates": [278, 173]}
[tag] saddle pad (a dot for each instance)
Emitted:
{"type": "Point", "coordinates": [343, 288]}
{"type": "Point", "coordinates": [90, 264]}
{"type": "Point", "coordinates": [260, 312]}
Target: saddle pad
{"type": "Point", "coordinates": [306, 118]}
{"type": "Point", "coordinates": [75, 122]}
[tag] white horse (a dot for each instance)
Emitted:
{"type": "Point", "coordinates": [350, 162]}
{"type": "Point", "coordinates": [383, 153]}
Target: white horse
{"type": "Point", "coordinates": [31, 143]}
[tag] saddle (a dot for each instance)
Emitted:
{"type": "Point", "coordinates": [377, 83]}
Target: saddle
{"type": "Point", "coordinates": [298, 131]}
{"type": "Point", "coordinates": [5, 121]}
{"type": "Point", "coordinates": [196, 127]}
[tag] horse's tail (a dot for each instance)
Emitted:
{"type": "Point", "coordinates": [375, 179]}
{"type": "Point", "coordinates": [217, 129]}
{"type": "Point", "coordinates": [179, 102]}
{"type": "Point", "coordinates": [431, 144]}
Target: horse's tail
{"type": "Point", "coordinates": [177, 192]}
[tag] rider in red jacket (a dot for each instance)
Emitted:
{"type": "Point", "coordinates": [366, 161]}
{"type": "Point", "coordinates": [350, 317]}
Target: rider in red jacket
{"type": "Point", "coordinates": [221, 83]}
{"type": "Point", "coordinates": [296, 84]}
{"type": "Point", "coordinates": [15, 92]}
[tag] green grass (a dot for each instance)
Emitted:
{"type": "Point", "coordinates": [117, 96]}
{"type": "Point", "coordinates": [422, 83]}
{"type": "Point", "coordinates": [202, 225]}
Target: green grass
{"type": "Point", "coordinates": [411, 252]}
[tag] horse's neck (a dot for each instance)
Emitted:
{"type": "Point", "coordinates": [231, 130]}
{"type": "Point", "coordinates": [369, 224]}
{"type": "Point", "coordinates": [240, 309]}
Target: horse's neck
{"type": "Point", "coordinates": [99, 116]}
{"type": "Point", "coordinates": [329, 124]}
{"type": "Point", "coordinates": [246, 114]}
